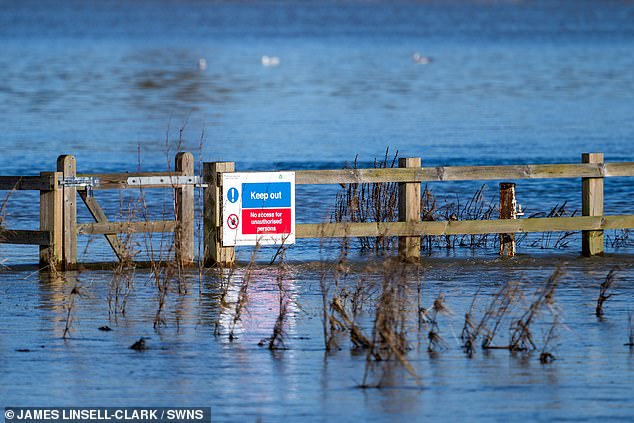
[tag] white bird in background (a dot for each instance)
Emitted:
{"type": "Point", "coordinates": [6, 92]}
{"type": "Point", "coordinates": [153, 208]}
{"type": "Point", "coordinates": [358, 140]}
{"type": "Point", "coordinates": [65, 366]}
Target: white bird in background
{"type": "Point", "coordinates": [419, 59]}
{"type": "Point", "coordinates": [202, 64]}
{"type": "Point", "coordinates": [270, 61]}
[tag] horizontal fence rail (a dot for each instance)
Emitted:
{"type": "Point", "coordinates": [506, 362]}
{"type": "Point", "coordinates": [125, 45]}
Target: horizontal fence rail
{"type": "Point", "coordinates": [463, 173]}
{"type": "Point", "coordinates": [463, 227]}
{"type": "Point", "coordinates": [27, 183]}
{"type": "Point", "coordinates": [24, 237]}
{"type": "Point", "coordinates": [106, 228]}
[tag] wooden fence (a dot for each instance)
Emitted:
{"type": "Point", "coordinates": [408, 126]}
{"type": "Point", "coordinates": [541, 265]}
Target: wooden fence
{"type": "Point", "coordinates": [57, 235]}
{"type": "Point", "coordinates": [410, 174]}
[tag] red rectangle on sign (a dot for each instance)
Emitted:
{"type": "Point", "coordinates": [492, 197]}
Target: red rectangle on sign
{"type": "Point", "coordinates": [266, 221]}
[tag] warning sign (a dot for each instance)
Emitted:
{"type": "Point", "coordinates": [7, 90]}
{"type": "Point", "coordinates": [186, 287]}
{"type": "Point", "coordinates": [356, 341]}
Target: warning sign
{"type": "Point", "coordinates": [233, 221]}
{"type": "Point", "coordinates": [259, 208]}
{"type": "Point", "coordinates": [271, 221]}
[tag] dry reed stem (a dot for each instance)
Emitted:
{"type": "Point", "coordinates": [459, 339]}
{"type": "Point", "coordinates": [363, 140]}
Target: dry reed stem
{"type": "Point", "coordinates": [548, 239]}
{"type": "Point", "coordinates": [544, 299]}
{"type": "Point", "coordinates": [340, 269]}
{"type": "Point", "coordinates": [76, 292]}
{"type": "Point", "coordinates": [549, 338]}
{"type": "Point", "coordinates": [243, 294]}
{"type": "Point", "coordinates": [630, 330]}
{"type": "Point", "coordinates": [389, 340]}
{"type": "Point", "coordinates": [469, 330]}
{"type": "Point", "coordinates": [605, 288]}
{"type": "Point", "coordinates": [276, 341]}
{"type": "Point", "coordinates": [163, 269]}
{"type": "Point", "coordinates": [436, 341]}
{"type": "Point", "coordinates": [359, 340]}
{"type": "Point", "coordinates": [620, 239]}
{"type": "Point", "coordinates": [370, 202]}
{"type": "Point", "coordinates": [122, 282]}
{"type": "Point", "coordinates": [500, 305]}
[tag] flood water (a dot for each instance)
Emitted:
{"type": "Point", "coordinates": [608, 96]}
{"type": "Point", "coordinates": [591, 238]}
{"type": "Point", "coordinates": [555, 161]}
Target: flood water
{"type": "Point", "coordinates": [123, 85]}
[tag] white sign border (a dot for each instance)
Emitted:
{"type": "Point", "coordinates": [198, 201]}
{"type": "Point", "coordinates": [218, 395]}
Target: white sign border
{"type": "Point", "coordinates": [233, 236]}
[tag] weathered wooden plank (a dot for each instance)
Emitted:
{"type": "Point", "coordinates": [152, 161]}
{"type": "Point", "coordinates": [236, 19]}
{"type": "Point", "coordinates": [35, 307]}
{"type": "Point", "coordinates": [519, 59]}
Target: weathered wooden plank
{"type": "Point", "coordinates": [538, 171]}
{"type": "Point", "coordinates": [409, 211]}
{"type": "Point", "coordinates": [215, 254]}
{"type": "Point", "coordinates": [100, 217]}
{"type": "Point", "coordinates": [67, 165]}
{"type": "Point", "coordinates": [51, 220]}
{"type": "Point", "coordinates": [352, 176]}
{"type": "Point", "coordinates": [184, 197]}
{"type": "Point", "coordinates": [619, 169]}
{"type": "Point", "coordinates": [463, 227]}
{"type": "Point", "coordinates": [25, 237]}
{"type": "Point", "coordinates": [23, 183]}
{"type": "Point", "coordinates": [126, 227]}
{"type": "Point", "coordinates": [592, 242]}
{"type": "Point", "coordinates": [464, 173]}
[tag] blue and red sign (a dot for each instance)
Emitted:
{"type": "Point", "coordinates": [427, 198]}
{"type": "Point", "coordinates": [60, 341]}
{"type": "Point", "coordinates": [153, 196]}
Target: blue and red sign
{"type": "Point", "coordinates": [266, 208]}
{"type": "Point", "coordinates": [260, 208]}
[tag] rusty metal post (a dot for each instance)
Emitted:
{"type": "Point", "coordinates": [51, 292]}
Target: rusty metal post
{"type": "Point", "coordinates": [508, 210]}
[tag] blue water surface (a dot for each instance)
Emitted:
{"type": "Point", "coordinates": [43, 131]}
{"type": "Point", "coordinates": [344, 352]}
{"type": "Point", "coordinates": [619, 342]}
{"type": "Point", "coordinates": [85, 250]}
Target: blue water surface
{"type": "Point", "coordinates": [124, 85]}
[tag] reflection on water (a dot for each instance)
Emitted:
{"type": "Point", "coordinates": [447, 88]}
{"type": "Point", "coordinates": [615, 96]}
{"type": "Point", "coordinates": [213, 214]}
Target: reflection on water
{"type": "Point", "coordinates": [186, 363]}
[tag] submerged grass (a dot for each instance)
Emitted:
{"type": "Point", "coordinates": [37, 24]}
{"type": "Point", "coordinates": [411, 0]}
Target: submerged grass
{"type": "Point", "coordinates": [389, 329]}
{"type": "Point", "coordinates": [370, 202]}
{"type": "Point", "coordinates": [605, 290]}
{"type": "Point", "coordinates": [378, 202]}
{"type": "Point", "coordinates": [469, 329]}
{"type": "Point", "coordinates": [630, 330]}
{"type": "Point", "coordinates": [243, 295]}
{"type": "Point", "coordinates": [436, 342]}
{"type": "Point", "coordinates": [76, 292]}
{"type": "Point", "coordinates": [522, 338]}
{"type": "Point", "coordinates": [278, 337]}
{"type": "Point", "coordinates": [495, 313]}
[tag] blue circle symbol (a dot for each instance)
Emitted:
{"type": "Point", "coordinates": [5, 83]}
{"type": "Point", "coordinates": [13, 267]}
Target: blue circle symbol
{"type": "Point", "coordinates": [232, 195]}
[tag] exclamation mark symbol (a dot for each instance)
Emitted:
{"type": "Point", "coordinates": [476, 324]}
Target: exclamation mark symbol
{"type": "Point", "coordinates": [232, 195]}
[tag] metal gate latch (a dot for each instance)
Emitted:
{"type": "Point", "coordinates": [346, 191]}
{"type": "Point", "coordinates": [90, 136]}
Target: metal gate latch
{"type": "Point", "coordinates": [167, 180]}
{"type": "Point", "coordinates": [87, 182]}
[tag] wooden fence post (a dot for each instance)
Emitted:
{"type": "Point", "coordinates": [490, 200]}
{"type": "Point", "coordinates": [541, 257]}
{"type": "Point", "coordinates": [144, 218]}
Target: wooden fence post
{"type": "Point", "coordinates": [184, 199]}
{"type": "Point", "coordinates": [67, 165]}
{"type": "Point", "coordinates": [508, 210]}
{"type": "Point", "coordinates": [214, 253]}
{"type": "Point", "coordinates": [409, 211]}
{"type": "Point", "coordinates": [51, 215]}
{"type": "Point", "coordinates": [592, 205]}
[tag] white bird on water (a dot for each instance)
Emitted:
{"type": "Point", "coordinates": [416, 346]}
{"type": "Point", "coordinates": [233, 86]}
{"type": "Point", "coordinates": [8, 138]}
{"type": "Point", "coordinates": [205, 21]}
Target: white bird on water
{"type": "Point", "coordinates": [270, 61]}
{"type": "Point", "coordinates": [419, 59]}
{"type": "Point", "coordinates": [202, 64]}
